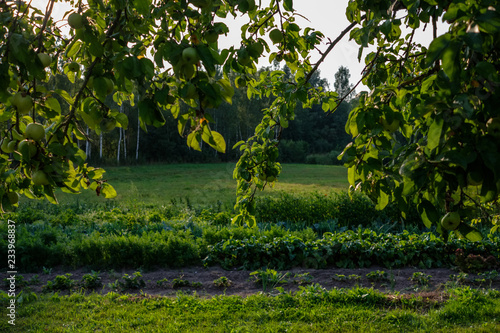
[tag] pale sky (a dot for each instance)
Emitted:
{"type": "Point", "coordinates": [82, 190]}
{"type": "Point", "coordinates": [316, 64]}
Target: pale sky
{"type": "Point", "coordinates": [327, 16]}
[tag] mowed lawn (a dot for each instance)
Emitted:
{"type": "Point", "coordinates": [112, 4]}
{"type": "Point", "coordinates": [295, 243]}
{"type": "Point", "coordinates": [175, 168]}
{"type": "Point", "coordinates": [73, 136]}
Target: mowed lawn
{"type": "Point", "coordinates": [205, 184]}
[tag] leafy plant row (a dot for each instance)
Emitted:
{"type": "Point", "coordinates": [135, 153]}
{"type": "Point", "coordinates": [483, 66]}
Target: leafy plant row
{"type": "Point", "coordinates": [184, 244]}
{"type": "Point", "coordinates": [347, 250]}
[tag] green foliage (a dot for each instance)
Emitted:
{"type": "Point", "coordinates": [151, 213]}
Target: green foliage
{"type": "Point", "coordinates": [133, 281]}
{"type": "Point", "coordinates": [19, 281]}
{"type": "Point", "coordinates": [61, 282]}
{"type": "Point", "coordinates": [420, 278]}
{"type": "Point", "coordinates": [179, 283]}
{"type": "Point", "coordinates": [121, 238]}
{"type": "Point", "coordinates": [303, 278]}
{"type": "Point", "coordinates": [354, 277]}
{"type": "Point", "coordinates": [345, 250]}
{"type": "Point", "coordinates": [91, 281]}
{"type": "Point", "coordinates": [93, 67]}
{"type": "Point", "coordinates": [312, 308]}
{"type": "Point", "coordinates": [269, 278]}
{"type": "Point", "coordinates": [349, 211]}
{"type": "Point", "coordinates": [427, 132]}
{"type": "Point", "coordinates": [474, 262]}
{"type": "Point", "coordinates": [459, 278]}
{"type": "Point", "coordinates": [222, 282]}
{"type": "Point", "coordinates": [339, 277]}
{"type": "Point", "coordinates": [293, 151]}
{"type": "Point", "coordinates": [377, 276]}
{"type": "Point", "coordinates": [160, 283]}
{"type": "Point", "coordinates": [330, 158]}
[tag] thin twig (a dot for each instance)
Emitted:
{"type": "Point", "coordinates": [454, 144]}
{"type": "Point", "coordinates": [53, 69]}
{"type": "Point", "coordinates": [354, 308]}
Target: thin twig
{"type": "Point", "coordinates": [418, 78]}
{"type": "Point", "coordinates": [330, 48]}
{"type": "Point", "coordinates": [366, 70]}
{"type": "Point", "coordinates": [48, 12]}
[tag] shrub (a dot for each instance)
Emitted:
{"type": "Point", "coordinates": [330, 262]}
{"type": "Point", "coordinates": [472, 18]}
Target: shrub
{"type": "Point", "coordinates": [330, 158]}
{"type": "Point", "coordinates": [293, 151]}
{"type": "Point", "coordinates": [420, 278]}
{"type": "Point", "coordinates": [61, 282]}
{"type": "Point", "coordinates": [222, 282]}
{"type": "Point", "coordinates": [269, 278]}
{"type": "Point", "coordinates": [91, 281]}
{"type": "Point", "coordinates": [134, 281]}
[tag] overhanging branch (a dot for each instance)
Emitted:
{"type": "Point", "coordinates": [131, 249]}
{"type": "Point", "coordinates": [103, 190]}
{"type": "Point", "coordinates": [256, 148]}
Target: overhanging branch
{"type": "Point", "coordinates": [330, 48]}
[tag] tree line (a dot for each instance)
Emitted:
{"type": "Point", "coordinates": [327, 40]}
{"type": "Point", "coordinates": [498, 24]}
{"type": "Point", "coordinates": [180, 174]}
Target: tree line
{"type": "Point", "coordinates": [313, 137]}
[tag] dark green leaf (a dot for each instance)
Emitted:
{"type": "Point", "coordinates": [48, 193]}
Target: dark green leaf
{"type": "Point", "coordinates": [436, 47]}
{"type": "Point", "coordinates": [288, 5]}
{"type": "Point", "coordinates": [434, 134]}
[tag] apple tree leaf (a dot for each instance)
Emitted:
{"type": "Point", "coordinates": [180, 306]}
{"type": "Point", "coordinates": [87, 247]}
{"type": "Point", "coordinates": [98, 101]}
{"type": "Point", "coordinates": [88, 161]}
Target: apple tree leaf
{"type": "Point", "coordinates": [108, 191]}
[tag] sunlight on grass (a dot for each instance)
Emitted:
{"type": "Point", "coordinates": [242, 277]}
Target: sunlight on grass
{"type": "Point", "coordinates": [205, 183]}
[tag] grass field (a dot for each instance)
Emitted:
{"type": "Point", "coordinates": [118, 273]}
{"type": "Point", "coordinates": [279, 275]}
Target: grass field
{"type": "Point", "coordinates": [312, 309]}
{"type": "Point", "coordinates": [205, 184]}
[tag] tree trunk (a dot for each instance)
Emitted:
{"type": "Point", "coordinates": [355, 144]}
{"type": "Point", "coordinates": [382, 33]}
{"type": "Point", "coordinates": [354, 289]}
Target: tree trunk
{"type": "Point", "coordinates": [119, 140]}
{"type": "Point", "coordinates": [124, 144]}
{"type": "Point", "coordinates": [138, 134]}
{"type": "Point", "coordinates": [87, 145]}
{"type": "Point", "coordinates": [100, 146]}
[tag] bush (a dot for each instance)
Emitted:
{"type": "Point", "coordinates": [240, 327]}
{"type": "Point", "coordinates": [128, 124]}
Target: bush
{"type": "Point", "coordinates": [293, 151]}
{"type": "Point", "coordinates": [330, 158]}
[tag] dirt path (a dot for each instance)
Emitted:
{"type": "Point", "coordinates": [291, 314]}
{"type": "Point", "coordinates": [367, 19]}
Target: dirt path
{"type": "Point", "coordinates": [242, 283]}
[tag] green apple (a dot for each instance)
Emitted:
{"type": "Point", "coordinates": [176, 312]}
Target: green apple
{"type": "Point", "coordinates": [244, 57]}
{"type": "Point", "coordinates": [39, 178]}
{"type": "Point", "coordinates": [390, 127]}
{"type": "Point", "coordinates": [45, 59]}
{"type": "Point", "coordinates": [189, 55]}
{"type": "Point", "coordinates": [27, 147]}
{"type": "Point", "coordinates": [34, 131]}
{"type": "Point", "coordinates": [211, 36]}
{"type": "Point", "coordinates": [11, 147]}
{"type": "Point", "coordinates": [493, 127]}
{"type": "Point", "coordinates": [22, 102]}
{"type": "Point", "coordinates": [276, 36]}
{"type": "Point", "coordinates": [13, 198]}
{"type": "Point", "coordinates": [450, 221]}
{"type": "Point", "coordinates": [75, 21]}
{"type": "Point", "coordinates": [7, 147]}
{"type": "Point", "coordinates": [74, 67]}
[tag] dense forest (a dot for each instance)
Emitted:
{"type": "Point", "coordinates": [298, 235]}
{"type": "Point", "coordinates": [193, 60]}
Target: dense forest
{"type": "Point", "coordinates": [313, 136]}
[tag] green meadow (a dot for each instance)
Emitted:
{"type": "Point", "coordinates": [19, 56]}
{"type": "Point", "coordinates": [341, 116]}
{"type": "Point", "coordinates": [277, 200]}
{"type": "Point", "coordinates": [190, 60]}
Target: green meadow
{"type": "Point", "coordinates": [205, 184]}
